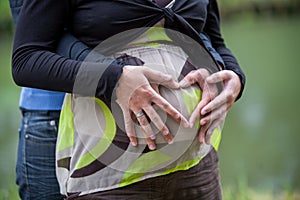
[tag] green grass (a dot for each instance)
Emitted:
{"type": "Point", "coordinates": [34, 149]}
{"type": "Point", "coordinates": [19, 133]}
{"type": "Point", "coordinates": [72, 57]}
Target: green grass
{"type": "Point", "coordinates": [9, 122]}
{"type": "Point", "coordinates": [9, 193]}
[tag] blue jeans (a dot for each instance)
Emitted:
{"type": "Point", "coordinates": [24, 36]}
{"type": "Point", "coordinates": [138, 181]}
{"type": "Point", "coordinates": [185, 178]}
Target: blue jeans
{"type": "Point", "coordinates": [35, 170]}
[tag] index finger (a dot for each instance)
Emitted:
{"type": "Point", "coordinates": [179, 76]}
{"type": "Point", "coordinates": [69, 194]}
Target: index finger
{"type": "Point", "coordinates": [160, 78]}
{"type": "Point", "coordinates": [218, 77]}
{"type": "Point", "coordinates": [168, 108]}
{"type": "Point", "coordinates": [215, 103]}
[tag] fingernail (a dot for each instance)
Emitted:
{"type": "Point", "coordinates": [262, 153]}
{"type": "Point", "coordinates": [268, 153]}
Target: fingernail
{"type": "Point", "coordinates": [182, 83]}
{"type": "Point", "coordinates": [170, 141]}
{"type": "Point", "coordinates": [167, 78]}
{"type": "Point", "coordinates": [191, 125]}
{"type": "Point", "coordinates": [186, 125]}
{"type": "Point", "coordinates": [202, 122]}
{"type": "Point", "coordinates": [153, 137]}
{"type": "Point", "coordinates": [166, 132]}
{"type": "Point", "coordinates": [203, 112]}
{"type": "Point", "coordinates": [201, 140]}
{"type": "Point", "coordinates": [207, 141]}
{"type": "Point", "coordinates": [176, 85]}
{"type": "Point", "coordinates": [152, 146]}
{"type": "Point", "coordinates": [134, 143]}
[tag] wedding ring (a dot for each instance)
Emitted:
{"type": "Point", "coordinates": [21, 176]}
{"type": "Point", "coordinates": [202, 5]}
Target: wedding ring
{"type": "Point", "coordinates": [139, 114]}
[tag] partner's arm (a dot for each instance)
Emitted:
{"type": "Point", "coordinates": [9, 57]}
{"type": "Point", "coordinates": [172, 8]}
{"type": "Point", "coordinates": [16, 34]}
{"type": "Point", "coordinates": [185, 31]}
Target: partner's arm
{"type": "Point", "coordinates": [35, 63]}
{"type": "Point", "coordinates": [213, 106]}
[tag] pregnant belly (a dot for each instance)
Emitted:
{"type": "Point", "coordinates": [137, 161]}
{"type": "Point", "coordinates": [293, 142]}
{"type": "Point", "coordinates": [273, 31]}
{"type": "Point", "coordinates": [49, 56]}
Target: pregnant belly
{"type": "Point", "coordinates": [100, 127]}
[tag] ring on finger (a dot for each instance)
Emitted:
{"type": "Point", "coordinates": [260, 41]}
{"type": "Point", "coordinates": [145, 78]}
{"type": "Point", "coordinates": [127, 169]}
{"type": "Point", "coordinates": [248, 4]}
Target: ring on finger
{"type": "Point", "coordinates": [139, 114]}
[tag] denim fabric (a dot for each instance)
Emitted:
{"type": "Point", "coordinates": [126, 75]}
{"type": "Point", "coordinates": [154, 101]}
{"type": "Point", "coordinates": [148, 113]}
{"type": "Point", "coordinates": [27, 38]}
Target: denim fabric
{"type": "Point", "coordinates": [206, 40]}
{"type": "Point", "coordinates": [35, 171]}
{"type": "Point", "coordinates": [15, 7]}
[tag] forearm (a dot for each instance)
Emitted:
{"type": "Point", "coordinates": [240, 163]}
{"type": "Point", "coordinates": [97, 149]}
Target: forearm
{"type": "Point", "coordinates": [34, 63]}
{"type": "Point", "coordinates": [96, 79]}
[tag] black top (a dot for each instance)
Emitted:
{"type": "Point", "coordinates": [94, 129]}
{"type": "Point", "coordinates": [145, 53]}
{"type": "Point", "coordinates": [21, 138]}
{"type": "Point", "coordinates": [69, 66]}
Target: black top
{"type": "Point", "coordinates": [41, 24]}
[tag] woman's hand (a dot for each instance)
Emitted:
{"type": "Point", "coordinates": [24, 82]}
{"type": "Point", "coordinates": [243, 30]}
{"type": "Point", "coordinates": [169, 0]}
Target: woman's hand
{"type": "Point", "coordinates": [216, 110]}
{"type": "Point", "coordinates": [213, 107]}
{"type": "Point", "coordinates": [135, 94]}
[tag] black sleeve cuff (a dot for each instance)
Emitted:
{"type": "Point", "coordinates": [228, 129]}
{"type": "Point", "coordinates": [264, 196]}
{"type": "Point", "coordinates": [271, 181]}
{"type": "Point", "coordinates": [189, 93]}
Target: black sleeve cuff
{"type": "Point", "coordinates": [109, 80]}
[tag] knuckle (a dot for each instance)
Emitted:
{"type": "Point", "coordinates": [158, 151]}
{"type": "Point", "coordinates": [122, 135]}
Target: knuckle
{"type": "Point", "coordinates": [204, 72]}
{"type": "Point", "coordinates": [190, 78]}
{"type": "Point", "coordinates": [229, 95]}
{"type": "Point", "coordinates": [219, 114]}
{"type": "Point", "coordinates": [148, 94]}
{"type": "Point", "coordinates": [211, 94]}
{"type": "Point", "coordinates": [134, 97]}
{"type": "Point", "coordinates": [127, 123]}
{"type": "Point", "coordinates": [155, 118]}
{"type": "Point", "coordinates": [198, 73]}
{"type": "Point", "coordinates": [145, 70]}
{"type": "Point", "coordinates": [165, 106]}
{"type": "Point", "coordinates": [209, 132]}
{"type": "Point", "coordinates": [229, 73]}
{"type": "Point", "coordinates": [143, 121]}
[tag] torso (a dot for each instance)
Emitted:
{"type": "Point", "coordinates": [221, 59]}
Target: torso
{"type": "Point", "coordinates": [95, 20]}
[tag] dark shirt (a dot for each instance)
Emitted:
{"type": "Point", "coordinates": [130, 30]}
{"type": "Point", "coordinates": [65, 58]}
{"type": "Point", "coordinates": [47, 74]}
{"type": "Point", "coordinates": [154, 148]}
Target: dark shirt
{"type": "Point", "coordinates": [41, 24]}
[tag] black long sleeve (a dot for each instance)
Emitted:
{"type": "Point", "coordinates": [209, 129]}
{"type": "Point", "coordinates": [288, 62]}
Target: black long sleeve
{"type": "Point", "coordinates": [35, 64]}
{"type": "Point", "coordinates": [212, 28]}
{"type": "Point", "coordinates": [41, 25]}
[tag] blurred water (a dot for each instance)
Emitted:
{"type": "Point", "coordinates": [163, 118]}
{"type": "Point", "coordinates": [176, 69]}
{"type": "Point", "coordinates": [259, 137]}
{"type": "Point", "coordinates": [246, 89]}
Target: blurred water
{"type": "Point", "coordinates": [261, 137]}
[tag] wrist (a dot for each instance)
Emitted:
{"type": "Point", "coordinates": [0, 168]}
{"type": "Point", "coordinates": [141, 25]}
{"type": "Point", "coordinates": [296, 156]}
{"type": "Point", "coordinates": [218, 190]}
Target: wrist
{"type": "Point", "coordinates": [238, 84]}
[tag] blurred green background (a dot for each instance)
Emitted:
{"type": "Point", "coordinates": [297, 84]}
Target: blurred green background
{"type": "Point", "coordinates": [261, 138]}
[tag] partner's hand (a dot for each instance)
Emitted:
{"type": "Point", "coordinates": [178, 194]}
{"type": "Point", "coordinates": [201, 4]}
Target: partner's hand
{"type": "Point", "coordinates": [216, 110]}
{"type": "Point", "coordinates": [209, 92]}
{"type": "Point", "coordinates": [135, 94]}
{"type": "Point", "coordinates": [213, 107]}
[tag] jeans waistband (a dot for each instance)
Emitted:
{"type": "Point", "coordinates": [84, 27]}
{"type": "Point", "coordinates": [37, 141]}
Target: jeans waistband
{"type": "Point", "coordinates": [53, 113]}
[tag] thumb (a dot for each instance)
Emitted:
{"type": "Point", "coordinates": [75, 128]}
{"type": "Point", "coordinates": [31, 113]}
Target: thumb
{"type": "Point", "coordinates": [184, 83]}
{"type": "Point", "coordinates": [217, 77]}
